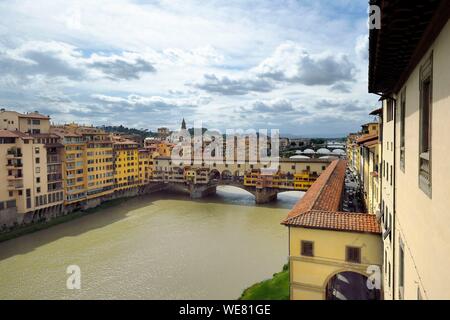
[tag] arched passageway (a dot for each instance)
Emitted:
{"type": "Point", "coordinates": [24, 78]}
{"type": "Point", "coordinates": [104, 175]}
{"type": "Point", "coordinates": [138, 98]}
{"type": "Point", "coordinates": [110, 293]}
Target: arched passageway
{"type": "Point", "coordinates": [350, 286]}
{"type": "Point", "coordinates": [214, 175]}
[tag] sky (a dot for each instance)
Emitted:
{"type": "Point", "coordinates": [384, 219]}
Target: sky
{"type": "Point", "coordinates": [297, 66]}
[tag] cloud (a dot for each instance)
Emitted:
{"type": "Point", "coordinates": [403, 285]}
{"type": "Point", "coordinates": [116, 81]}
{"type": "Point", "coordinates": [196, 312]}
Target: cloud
{"type": "Point", "coordinates": [362, 47]}
{"type": "Point", "coordinates": [227, 86]}
{"type": "Point", "coordinates": [51, 59]}
{"type": "Point", "coordinates": [347, 107]}
{"type": "Point", "coordinates": [58, 59]}
{"type": "Point", "coordinates": [291, 63]}
{"type": "Point", "coordinates": [138, 103]}
{"type": "Point", "coordinates": [341, 87]}
{"type": "Point", "coordinates": [126, 67]}
{"type": "Point", "coordinates": [272, 106]}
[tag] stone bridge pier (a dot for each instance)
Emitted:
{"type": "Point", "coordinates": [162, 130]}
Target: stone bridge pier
{"type": "Point", "coordinates": [200, 191]}
{"type": "Point", "coordinates": [265, 195]}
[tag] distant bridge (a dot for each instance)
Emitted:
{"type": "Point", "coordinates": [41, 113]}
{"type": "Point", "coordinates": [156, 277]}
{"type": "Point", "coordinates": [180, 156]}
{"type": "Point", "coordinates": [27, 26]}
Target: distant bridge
{"type": "Point", "coordinates": [261, 180]}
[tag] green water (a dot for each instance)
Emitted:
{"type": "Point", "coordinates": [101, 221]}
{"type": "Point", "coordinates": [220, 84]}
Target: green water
{"type": "Point", "coordinates": [161, 246]}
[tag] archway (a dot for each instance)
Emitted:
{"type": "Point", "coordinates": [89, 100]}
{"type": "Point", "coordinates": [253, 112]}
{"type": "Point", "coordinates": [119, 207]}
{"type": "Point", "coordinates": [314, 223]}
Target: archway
{"type": "Point", "coordinates": [214, 175]}
{"type": "Point", "coordinates": [227, 175]}
{"type": "Point", "coordinates": [349, 285]}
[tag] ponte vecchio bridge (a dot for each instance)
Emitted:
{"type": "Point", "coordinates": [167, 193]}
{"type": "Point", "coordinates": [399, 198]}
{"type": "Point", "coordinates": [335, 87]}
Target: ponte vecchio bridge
{"type": "Point", "coordinates": [264, 181]}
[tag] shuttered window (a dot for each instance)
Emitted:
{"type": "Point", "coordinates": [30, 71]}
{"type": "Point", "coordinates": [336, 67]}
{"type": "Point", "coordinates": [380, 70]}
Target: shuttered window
{"type": "Point", "coordinates": [307, 248]}
{"type": "Point", "coordinates": [353, 254]}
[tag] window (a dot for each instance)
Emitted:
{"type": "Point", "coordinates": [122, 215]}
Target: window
{"type": "Point", "coordinates": [353, 254]}
{"type": "Point", "coordinates": [391, 175]}
{"type": "Point", "coordinates": [426, 88]}
{"type": "Point", "coordinates": [38, 180]}
{"type": "Point", "coordinates": [307, 248]}
{"type": "Point", "coordinates": [401, 270]}
{"type": "Point", "coordinates": [36, 150]}
{"type": "Point", "coordinates": [390, 110]}
{"type": "Point", "coordinates": [38, 170]}
{"type": "Point", "coordinates": [402, 129]}
{"type": "Point", "coordinates": [38, 189]}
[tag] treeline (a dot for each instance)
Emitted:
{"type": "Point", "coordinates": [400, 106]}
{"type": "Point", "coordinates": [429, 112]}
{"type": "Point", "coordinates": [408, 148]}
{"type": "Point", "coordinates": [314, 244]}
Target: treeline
{"type": "Point", "coordinates": [144, 133]}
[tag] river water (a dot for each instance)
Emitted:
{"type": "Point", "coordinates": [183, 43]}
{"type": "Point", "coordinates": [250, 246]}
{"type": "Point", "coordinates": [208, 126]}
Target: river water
{"type": "Point", "coordinates": [160, 246]}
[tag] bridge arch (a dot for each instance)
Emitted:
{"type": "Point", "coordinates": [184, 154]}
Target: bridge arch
{"type": "Point", "coordinates": [240, 187]}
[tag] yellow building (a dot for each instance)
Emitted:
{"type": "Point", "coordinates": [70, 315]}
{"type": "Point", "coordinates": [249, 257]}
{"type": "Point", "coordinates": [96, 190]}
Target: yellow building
{"type": "Point", "coordinates": [332, 254]}
{"type": "Point", "coordinates": [30, 168]}
{"type": "Point", "coordinates": [415, 146]}
{"type": "Point", "coordinates": [161, 147]}
{"type": "Point", "coordinates": [369, 146]}
{"type": "Point", "coordinates": [293, 181]}
{"type": "Point", "coordinates": [88, 163]}
{"type": "Point", "coordinates": [126, 163]}
{"type": "Point", "coordinates": [145, 166]}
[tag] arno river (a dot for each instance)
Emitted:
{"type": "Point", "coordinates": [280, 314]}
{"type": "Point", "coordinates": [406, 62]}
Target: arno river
{"type": "Point", "coordinates": [160, 246]}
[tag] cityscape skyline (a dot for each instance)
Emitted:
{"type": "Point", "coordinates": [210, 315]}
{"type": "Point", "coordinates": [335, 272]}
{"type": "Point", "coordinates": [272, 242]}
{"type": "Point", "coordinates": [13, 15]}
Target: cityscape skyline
{"type": "Point", "coordinates": [114, 64]}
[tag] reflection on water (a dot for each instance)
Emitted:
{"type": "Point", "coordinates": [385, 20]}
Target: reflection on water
{"type": "Point", "coordinates": [161, 246]}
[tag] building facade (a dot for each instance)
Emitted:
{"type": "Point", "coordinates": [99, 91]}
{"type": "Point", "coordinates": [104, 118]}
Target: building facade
{"type": "Point", "coordinates": [415, 148]}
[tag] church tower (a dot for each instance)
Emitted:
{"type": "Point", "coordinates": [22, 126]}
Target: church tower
{"type": "Point", "coordinates": [183, 125]}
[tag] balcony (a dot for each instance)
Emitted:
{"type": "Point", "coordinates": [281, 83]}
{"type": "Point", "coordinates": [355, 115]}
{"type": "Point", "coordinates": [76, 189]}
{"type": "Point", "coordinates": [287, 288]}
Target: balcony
{"type": "Point", "coordinates": [56, 177]}
{"type": "Point", "coordinates": [15, 177]}
{"type": "Point", "coordinates": [13, 155]}
{"type": "Point", "coordinates": [15, 186]}
{"type": "Point", "coordinates": [53, 160]}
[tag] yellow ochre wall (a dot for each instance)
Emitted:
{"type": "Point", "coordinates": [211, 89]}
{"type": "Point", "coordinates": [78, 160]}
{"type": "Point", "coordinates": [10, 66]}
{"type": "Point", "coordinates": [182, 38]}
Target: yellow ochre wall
{"type": "Point", "coordinates": [310, 275]}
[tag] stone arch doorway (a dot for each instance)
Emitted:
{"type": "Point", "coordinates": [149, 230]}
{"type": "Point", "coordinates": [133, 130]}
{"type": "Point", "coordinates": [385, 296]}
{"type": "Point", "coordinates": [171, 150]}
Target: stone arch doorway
{"type": "Point", "coordinates": [350, 285]}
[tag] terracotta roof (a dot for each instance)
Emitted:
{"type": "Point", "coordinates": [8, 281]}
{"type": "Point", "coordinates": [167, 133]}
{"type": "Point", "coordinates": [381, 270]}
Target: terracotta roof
{"type": "Point", "coordinates": [371, 143]}
{"type": "Point", "coordinates": [338, 221]}
{"type": "Point", "coordinates": [320, 206]}
{"type": "Point", "coordinates": [331, 181]}
{"type": "Point", "coordinates": [367, 137]}
{"type": "Point", "coordinates": [14, 134]}
{"type": "Point", "coordinates": [7, 134]}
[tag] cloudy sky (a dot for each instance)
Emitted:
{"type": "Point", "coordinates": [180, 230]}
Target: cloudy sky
{"type": "Point", "coordinates": [298, 66]}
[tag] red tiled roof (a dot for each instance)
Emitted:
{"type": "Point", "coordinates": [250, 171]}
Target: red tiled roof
{"type": "Point", "coordinates": [338, 221]}
{"type": "Point", "coordinates": [370, 143]}
{"type": "Point", "coordinates": [367, 137]}
{"type": "Point", "coordinates": [320, 206]}
{"type": "Point", "coordinates": [315, 199]}
{"type": "Point", "coordinates": [7, 134]}
{"type": "Point", "coordinates": [14, 134]}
